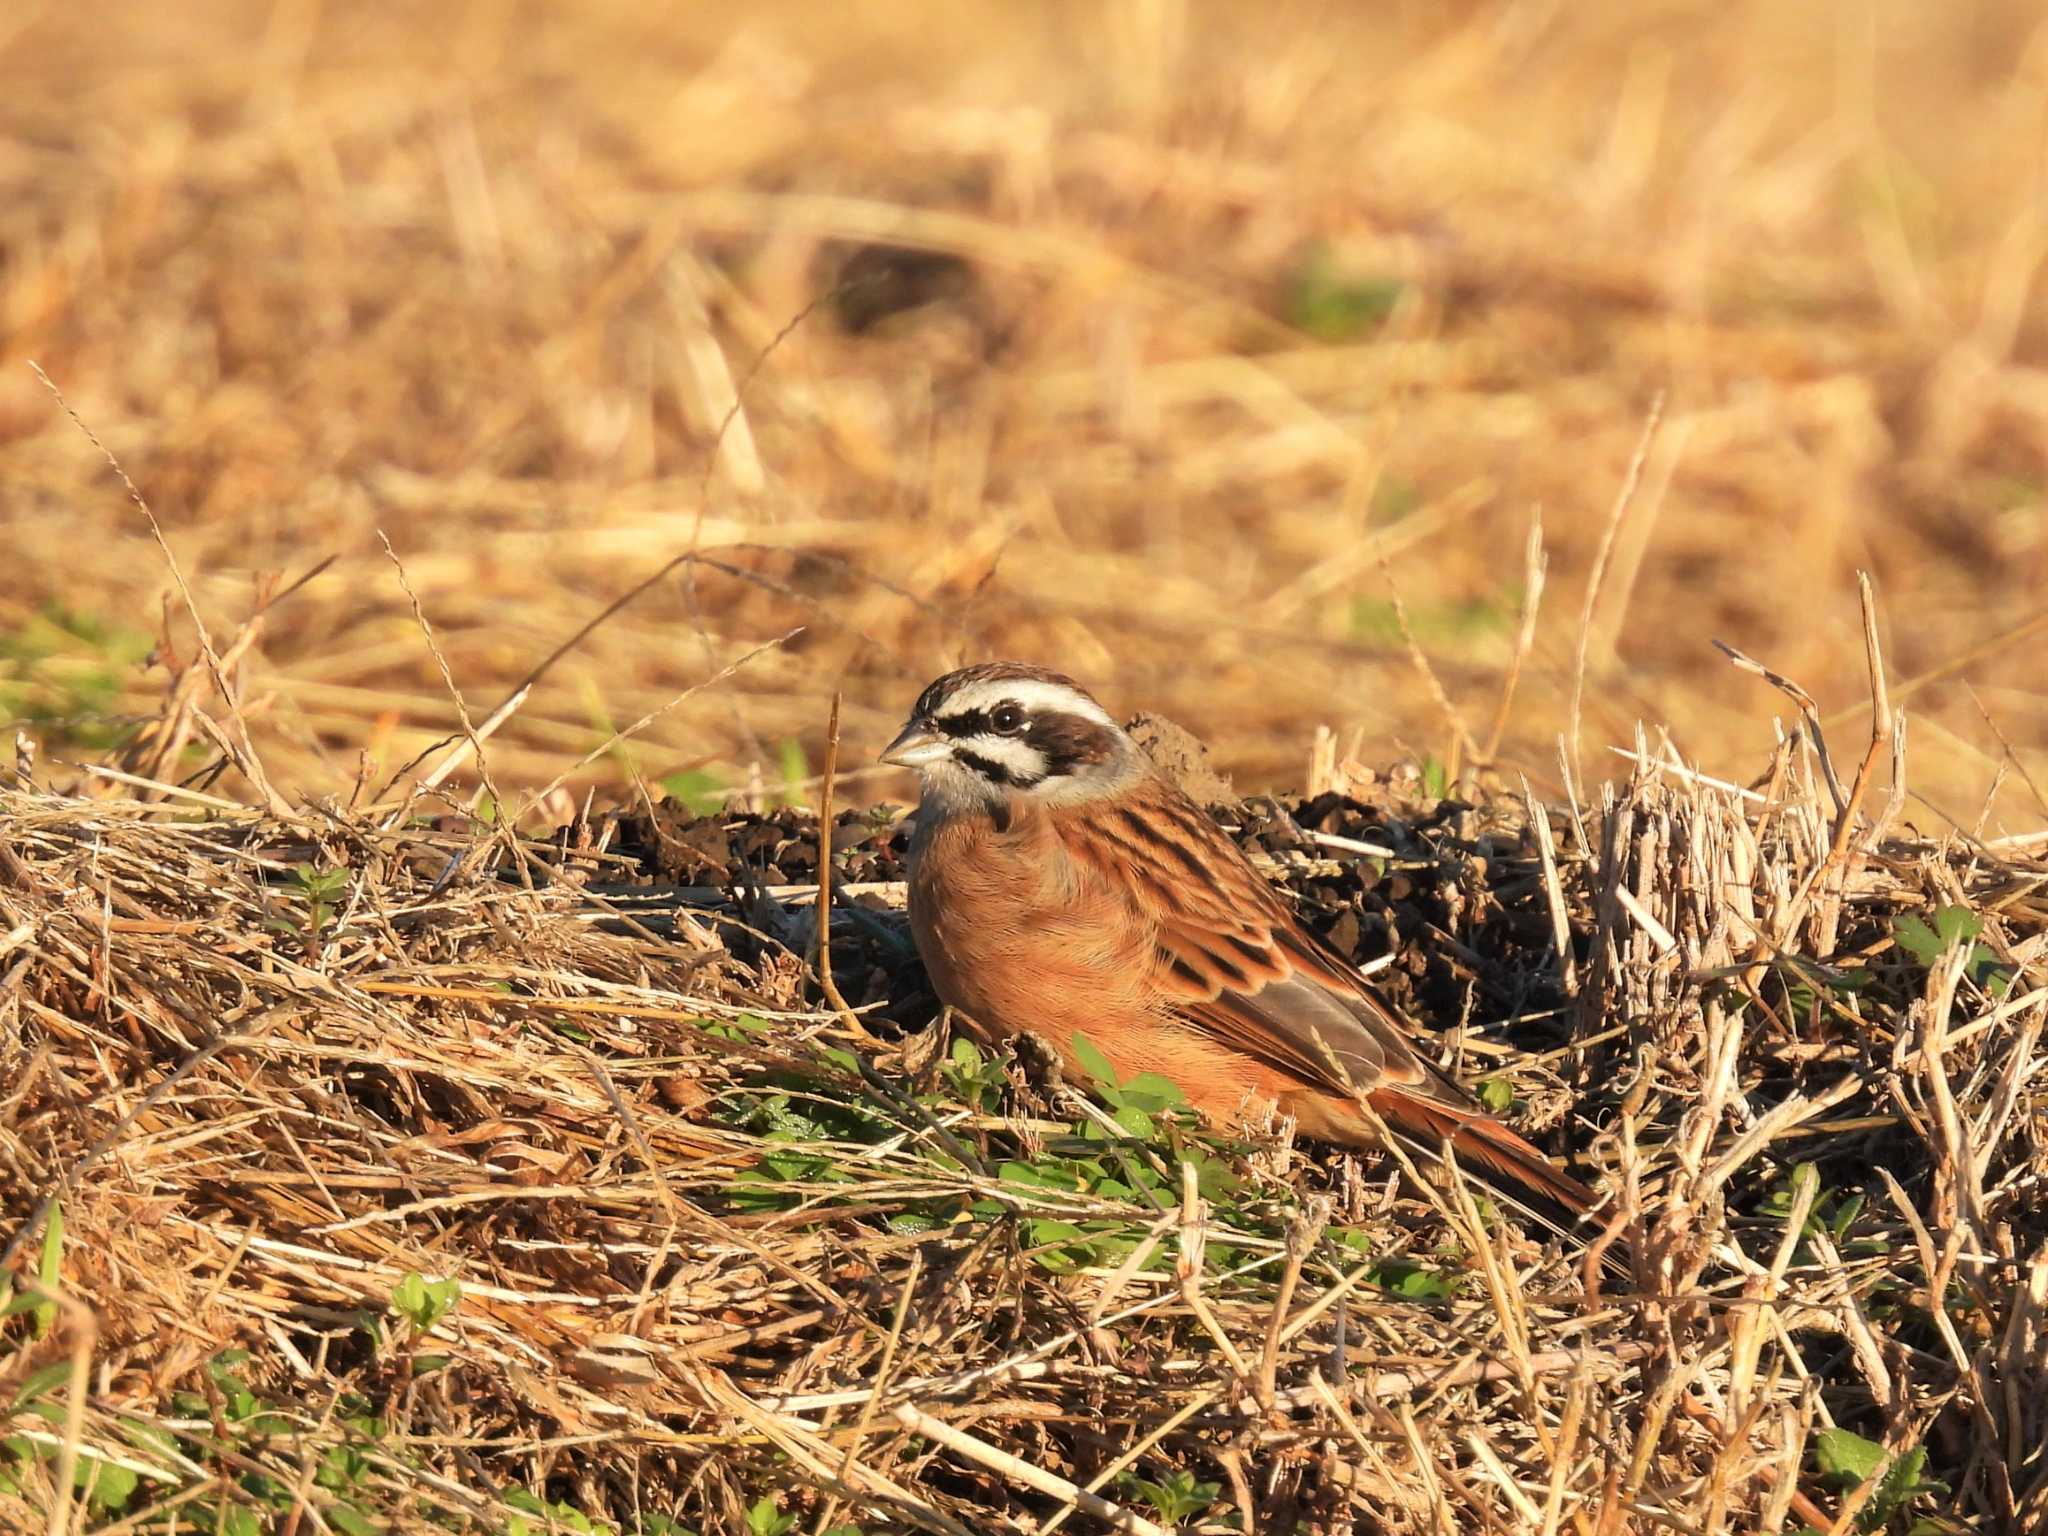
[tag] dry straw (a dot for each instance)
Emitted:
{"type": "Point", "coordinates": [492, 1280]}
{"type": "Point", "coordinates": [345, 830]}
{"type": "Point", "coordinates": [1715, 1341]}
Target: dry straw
{"type": "Point", "coordinates": [267, 1068]}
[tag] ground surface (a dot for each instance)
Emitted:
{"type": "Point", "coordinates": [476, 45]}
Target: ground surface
{"type": "Point", "coordinates": [371, 1176]}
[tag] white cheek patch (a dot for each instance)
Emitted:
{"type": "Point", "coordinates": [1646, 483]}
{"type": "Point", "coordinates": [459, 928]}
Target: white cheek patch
{"type": "Point", "coordinates": [1033, 695]}
{"type": "Point", "coordinates": [1024, 764]}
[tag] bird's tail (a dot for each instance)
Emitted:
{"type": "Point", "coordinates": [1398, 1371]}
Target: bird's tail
{"type": "Point", "coordinates": [1482, 1141]}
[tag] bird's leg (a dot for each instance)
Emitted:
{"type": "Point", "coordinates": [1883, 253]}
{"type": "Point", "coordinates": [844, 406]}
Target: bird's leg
{"type": "Point", "coordinates": [1042, 1066]}
{"type": "Point", "coordinates": [950, 1017]}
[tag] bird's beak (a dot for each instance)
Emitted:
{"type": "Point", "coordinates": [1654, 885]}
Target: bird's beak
{"type": "Point", "coordinates": [917, 745]}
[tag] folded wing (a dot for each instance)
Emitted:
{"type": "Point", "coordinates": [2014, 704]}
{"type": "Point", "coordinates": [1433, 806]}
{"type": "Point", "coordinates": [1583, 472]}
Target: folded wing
{"type": "Point", "coordinates": [1237, 963]}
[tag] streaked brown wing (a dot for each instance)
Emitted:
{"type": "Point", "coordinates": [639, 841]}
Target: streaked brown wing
{"type": "Point", "coordinates": [1239, 964]}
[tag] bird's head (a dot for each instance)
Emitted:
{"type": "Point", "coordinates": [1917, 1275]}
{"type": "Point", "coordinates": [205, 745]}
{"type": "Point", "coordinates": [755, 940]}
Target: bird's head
{"type": "Point", "coordinates": [988, 732]}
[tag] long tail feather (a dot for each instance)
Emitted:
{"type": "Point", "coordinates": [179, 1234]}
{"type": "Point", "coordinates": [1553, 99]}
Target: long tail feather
{"type": "Point", "coordinates": [1487, 1143]}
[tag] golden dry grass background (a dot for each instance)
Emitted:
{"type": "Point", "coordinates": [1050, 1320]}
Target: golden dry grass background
{"type": "Point", "coordinates": [488, 278]}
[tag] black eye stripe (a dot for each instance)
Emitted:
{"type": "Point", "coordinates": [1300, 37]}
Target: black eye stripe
{"type": "Point", "coordinates": [1003, 720]}
{"type": "Point", "coordinates": [970, 722]}
{"type": "Point", "coordinates": [993, 771]}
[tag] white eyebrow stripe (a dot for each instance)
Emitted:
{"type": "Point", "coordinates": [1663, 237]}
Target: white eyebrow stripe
{"type": "Point", "coordinates": [1034, 694]}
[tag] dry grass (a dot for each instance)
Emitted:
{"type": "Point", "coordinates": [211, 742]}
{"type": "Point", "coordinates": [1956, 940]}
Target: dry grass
{"type": "Point", "coordinates": [1253, 353]}
{"type": "Point", "coordinates": [491, 287]}
{"type": "Point", "coordinates": [723, 1265]}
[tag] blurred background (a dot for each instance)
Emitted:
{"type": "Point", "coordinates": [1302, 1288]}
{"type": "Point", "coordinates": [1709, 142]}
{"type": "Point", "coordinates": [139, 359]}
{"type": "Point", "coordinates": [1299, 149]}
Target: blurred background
{"type": "Point", "coordinates": [1199, 350]}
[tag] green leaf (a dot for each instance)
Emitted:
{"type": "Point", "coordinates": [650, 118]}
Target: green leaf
{"type": "Point", "coordinates": [147, 1437]}
{"type": "Point", "coordinates": [1952, 925]}
{"type": "Point", "coordinates": [699, 791]}
{"type": "Point", "coordinates": [1175, 1497]}
{"type": "Point", "coordinates": [425, 1302]}
{"type": "Point", "coordinates": [1215, 1179]}
{"type": "Point", "coordinates": [1957, 925]}
{"type": "Point", "coordinates": [1134, 1122]}
{"type": "Point", "coordinates": [341, 1468]}
{"type": "Point", "coordinates": [1843, 1216]}
{"type": "Point", "coordinates": [556, 1515]}
{"type": "Point", "coordinates": [41, 1382]}
{"type": "Point", "coordinates": [1046, 1233]}
{"type": "Point", "coordinates": [1912, 934]}
{"type": "Point", "coordinates": [112, 1486]}
{"type": "Point", "coordinates": [1846, 1456]}
{"type": "Point", "coordinates": [409, 1296]}
{"type": "Point", "coordinates": [1093, 1062]}
{"type": "Point", "coordinates": [795, 769]}
{"type": "Point", "coordinates": [1151, 1092]}
{"type": "Point", "coordinates": [321, 884]}
{"type": "Point", "coordinates": [1410, 1280]}
{"type": "Point", "coordinates": [50, 1271]}
{"type": "Point", "coordinates": [1902, 1484]}
{"type": "Point", "coordinates": [1333, 306]}
{"type": "Point", "coordinates": [350, 1521]}
{"type": "Point", "coordinates": [1497, 1094]}
{"type": "Point", "coordinates": [51, 1268]}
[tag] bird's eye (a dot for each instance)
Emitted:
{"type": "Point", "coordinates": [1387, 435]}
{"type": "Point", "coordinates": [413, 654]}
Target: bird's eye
{"type": "Point", "coordinates": [1007, 718]}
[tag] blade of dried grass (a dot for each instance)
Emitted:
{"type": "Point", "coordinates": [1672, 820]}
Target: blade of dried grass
{"type": "Point", "coordinates": [1808, 710]}
{"type": "Point", "coordinates": [1304, 1228]}
{"type": "Point", "coordinates": [1130, 1457]}
{"type": "Point", "coordinates": [84, 1331]}
{"type": "Point", "coordinates": [1188, 1270]}
{"type": "Point", "coordinates": [889, 1343]}
{"type": "Point", "coordinates": [1019, 1470]}
{"type": "Point", "coordinates": [1630, 480]}
{"type": "Point", "coordinates": [242, 753]}
{"type": "Point", "coordinates": [2014, 634]}
{"type": "Point", "coordinates": [807, 1449]}
{"type": "Point", "coordinates": [1498, 1474]}
{"type": "Point", "coordinates": [1463, 746]}
{"type": "Point", "coordinates": [255, 1028]}
{"type": "Point", "coordinates": [2005, 747]}
{"type": "Point", "coordinates": [1632, 544]}
{"type": "Point", "coordinates": [1577, 1391]}
{"type": "Point", "coordinates": [728, 670]}
{"type": "Point", "coordinates": [1535, 568]}
{"type": "Point", "coordinates": [1425, 1466]}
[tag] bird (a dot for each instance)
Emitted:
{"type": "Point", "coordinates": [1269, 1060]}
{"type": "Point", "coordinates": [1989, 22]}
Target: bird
{"type": "Point", "coordinates": [1060, 885]}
